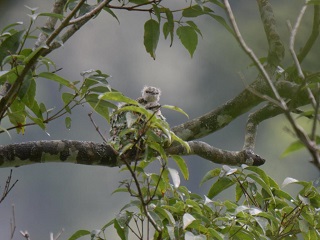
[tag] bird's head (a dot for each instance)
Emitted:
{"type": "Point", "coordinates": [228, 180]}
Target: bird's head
{"type": "Point", "coordinates": [151, 94]}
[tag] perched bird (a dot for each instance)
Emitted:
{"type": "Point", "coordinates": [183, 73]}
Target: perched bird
{"type": "Point", "coordinates": [127, 126]}
{"type": "Point", "coordinates": [150, 100]}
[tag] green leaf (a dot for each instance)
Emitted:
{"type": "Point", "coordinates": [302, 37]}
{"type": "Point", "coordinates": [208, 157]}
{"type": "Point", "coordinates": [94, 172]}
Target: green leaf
{"type": "Point", "coordinates": [195, 11]}
{"type": "Point", "coordinates": [168, 27]}
{"type": "Point", "coordinates": [222, 21]}
{"type": "Point", "coordinates": [165, 214]}
{"type": "Point", "coordinates": [34, 53]}
{"type": "Point", "coordinates": [174, 108]}
{"type": "Point", "coordinates": [10, 45]}
{"type": "Point", "coordinates": [151, 36]}
{"type": "Point", "coordinates": [159, 149]}
{"type": "Point", "coordinates": [108, 10]}
{"type": "Point", "coordinates": [136, 109]}
{"type": "Point", "coordinates": [57, 78]}
{"type": "Point", "coordinates": [53, 15]}
{"type": "Point", "coordinates": [218, 3]}
{"type": "Point", "coordinates": [118, 97]}
{"type": "Point", "coordinates": [67, 97]}
{"type": "Point", "coordinates": [67, 122]}
{"type": "Point", "coordinates": [156, 11]}
{"type": "Point", "coordinates": [182, 166]}
{"type": "Point", "coordinates": [25, 86]}
{"type": "Point", "coordinates": [219, 186]}
{"type": "Point", "coordinates": [262, 183]}
{"type": "Point", "coordinates": [78, 234]}
{"type": "Point", "coordinates": [211, 174]}
{"type": "Point", "coordinates": [188, 38]}
{"type": "Point", "coordinates": [10, 26]}
{"type": "Point", "coordinates": [100, 106]}
{"type": "Point", "coordinates": [121, 231]}
{"type": "Point", "coordinates": [215, 234]}
{"type": "Point", "coordinates": [179, 140]}
{"type": "Point", "coordinates": [195, 27]}
{"type": "Point", "coordinates": [29, 95]}
{"type": "Point", "coordinates": [260, 172]}
{"type": "Point", "coordinates": [38, 121]}
{"type": "Point", "coordinates": [295, 146]}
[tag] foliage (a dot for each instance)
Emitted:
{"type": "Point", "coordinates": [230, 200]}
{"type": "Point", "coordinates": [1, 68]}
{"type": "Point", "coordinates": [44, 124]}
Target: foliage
{"type": "Point", "coordinates": [261, 209]}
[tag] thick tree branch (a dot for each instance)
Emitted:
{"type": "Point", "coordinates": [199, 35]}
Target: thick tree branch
{"type": "Point", "coordinates": [90, 153]}
{"type": "Point", "coordinates": [220, 156]}
{"type": "Point", "coordinates": [226, 113]}
{"type": "Point", "coordinates": [276, 48]}
{"type": "Point", "coordinates": [254, 119]}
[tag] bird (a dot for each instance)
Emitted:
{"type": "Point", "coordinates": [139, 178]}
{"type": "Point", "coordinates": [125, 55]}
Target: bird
{"type": "Point", "coordinates": [127, 126]}
{"type": "Point", "coordinates": [150, 100]}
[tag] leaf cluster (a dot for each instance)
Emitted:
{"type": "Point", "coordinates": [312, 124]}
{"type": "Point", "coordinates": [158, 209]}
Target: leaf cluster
{"type": "Point", "coordinates": [261, 209]}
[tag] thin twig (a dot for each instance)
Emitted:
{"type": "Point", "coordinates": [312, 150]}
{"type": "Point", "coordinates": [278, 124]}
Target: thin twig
{"type": "Point", "coordinates": [8, 187]}
{"type": "Point", "coordinates": [294, 55]}
{"type": "Point", "coordinates": [13, 223]}
{"type": "Point", "coordinates": [314, 34]}
{"type": "Point", "coordinates": [292, 40]}
{"type": "Point", "coordinates": [252, 55]}
{"type": "Point", "coordinates": [96, 127]}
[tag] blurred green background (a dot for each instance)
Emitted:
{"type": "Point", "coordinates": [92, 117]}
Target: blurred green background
{"type": "Point", "coordinates": [49, 197]}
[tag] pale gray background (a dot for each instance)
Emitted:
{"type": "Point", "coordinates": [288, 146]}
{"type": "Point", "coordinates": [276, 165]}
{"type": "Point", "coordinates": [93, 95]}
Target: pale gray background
{"type": "Point", "coordinates": [49, 197]}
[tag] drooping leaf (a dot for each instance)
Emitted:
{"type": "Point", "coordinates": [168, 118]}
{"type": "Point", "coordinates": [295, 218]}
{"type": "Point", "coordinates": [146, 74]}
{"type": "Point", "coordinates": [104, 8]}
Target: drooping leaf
{"type": "Point", "coordinates": [187, 220]}
{"type": "Point", "coordinates": [182, 166]}
{"type": "Point", "coordinates": [67, 122]}
{"type": "Point", "coordinates": [175, 177]}
{"type": "Point", "coordinates": [188, 38]}
{"type": "Point", "coordinates": [156, 11]}
{"type": "Point", "coordinates": [151, 36]}
{"type": "Point", "coordinates": [168, 27]}
{"type": "Point", "coordinates": [159, 149]}
{"type": "Point", "coordinates": [219, 186]}
{"type": "Point", "coordinates": [121, 231]}
{"type": "Point", "coordinates": [10, 45]}
{"type": "Point", "coordinates": [165, 214]}
{"type": "Point", "coordinates": [195, 11]}
{"type": "Point", "coordinates": [222, 21]}
{"type": "Point", "coordinates": [211, 174]}
{"type": "Point", "coordinates": [118, 97]}
{"type": "Point", "coordinates": [179, 140]}
{"type": "Point", "coordinates": [175, 108]}
{"type": "Point", "coordinates": [100, 106]}
{"type": "Point", "coordinates": [11, 26]}
{"type": "Point", "coordinates": [262, 183]}
{"type": "Point", "coordinates": [108, 10]}
{"type": "Point", "coordinates": [57, 78]}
